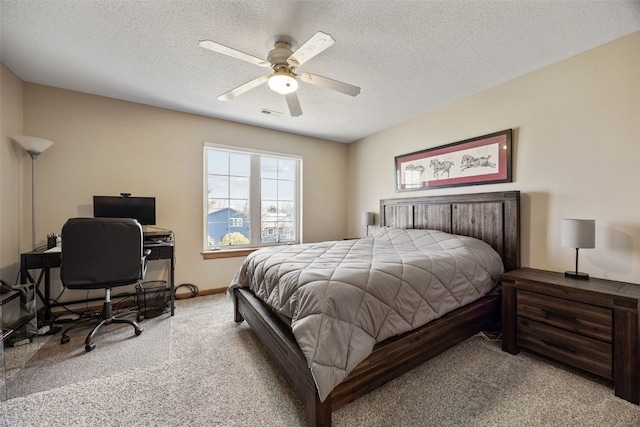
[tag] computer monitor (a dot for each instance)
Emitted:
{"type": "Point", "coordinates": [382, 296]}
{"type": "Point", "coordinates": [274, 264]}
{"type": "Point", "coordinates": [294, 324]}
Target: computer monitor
{"type": "Point", "coordinates": [141, 208]}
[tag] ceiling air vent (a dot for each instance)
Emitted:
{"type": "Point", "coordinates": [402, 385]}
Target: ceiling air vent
{"type": "Point", "coordinates": [271, 112]}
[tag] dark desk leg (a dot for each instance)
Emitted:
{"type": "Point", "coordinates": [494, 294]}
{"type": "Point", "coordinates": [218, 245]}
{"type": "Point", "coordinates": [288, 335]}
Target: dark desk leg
{"type": "Point", "coordinates": [172, 287]}
{"type": "Point", "coordinates": [47, 296]}
{"type": "Point", "coordinates": [24, 273]}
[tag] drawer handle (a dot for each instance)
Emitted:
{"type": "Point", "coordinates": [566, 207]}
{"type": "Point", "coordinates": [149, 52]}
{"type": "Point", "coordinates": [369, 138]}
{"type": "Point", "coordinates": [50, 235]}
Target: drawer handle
{"type": "Point", "coordinates": [561, 314]}
{"type": "Point", "coordinates": [560, 346]}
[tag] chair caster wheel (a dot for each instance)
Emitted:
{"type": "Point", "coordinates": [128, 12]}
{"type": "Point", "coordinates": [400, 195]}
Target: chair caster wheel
{"type": "Point", "coordinates": [139, 331]}
{"type": "Point", "coordinates": [89, 347]}
{"type": "Point", "coordinates": [65, 339]}
{"type": "Point", "coordinates": [139, 317]}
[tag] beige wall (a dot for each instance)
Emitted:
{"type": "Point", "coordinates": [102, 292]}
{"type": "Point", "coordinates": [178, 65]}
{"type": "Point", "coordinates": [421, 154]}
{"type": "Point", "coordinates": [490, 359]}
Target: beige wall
{"type": "Point", "coordinates": [577, 144]}
{"type": "Point", "coordinates": [11, 160]}
{"type": "Point", "coordinates": [104, 146]}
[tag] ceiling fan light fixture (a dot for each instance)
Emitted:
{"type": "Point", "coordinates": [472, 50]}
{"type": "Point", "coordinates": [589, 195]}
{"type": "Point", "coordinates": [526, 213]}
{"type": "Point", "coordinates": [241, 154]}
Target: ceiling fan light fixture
{"type": "Point", "coordinates": [283, 61]}
{"type": "Point", "coordinates": [283, 82]}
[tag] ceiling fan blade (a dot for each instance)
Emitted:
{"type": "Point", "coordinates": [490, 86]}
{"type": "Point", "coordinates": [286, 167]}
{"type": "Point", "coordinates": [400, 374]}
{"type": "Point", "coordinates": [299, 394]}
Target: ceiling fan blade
{"type": "Point", "coordinates": [317, 43]}
{"type": "Point", "coordinates": [243, 88]}
{"type": "Point", "coordinates": [293, 104]}
{"type": "Point", "coordinates": [325, 82]}
{"type": "Point", "coordinates": [217, 47]}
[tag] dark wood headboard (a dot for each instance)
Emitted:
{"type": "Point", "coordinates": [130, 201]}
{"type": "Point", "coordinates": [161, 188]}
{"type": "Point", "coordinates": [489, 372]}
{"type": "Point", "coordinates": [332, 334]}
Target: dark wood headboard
{"type": "Point", "coordinates": [491, 217]}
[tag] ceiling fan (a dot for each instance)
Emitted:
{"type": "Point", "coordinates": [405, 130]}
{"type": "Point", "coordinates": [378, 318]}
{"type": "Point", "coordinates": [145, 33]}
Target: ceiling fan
{"type": "Point", "coordinates": [283, 61]}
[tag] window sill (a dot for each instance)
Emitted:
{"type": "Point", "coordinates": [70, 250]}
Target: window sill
{"type": "Point", "coordinates": [227, 253]}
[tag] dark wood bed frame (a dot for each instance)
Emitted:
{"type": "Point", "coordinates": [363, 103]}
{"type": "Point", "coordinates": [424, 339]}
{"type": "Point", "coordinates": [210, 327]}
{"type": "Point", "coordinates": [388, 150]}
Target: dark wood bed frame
{"type": "Point", "coordinates": [491, 217]}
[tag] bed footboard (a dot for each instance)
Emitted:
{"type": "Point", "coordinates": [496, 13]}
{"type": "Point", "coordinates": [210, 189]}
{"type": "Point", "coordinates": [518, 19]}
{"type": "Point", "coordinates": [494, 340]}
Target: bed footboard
{"type": "Point", "coordinates": [285, 354]}
{"type": "Point", "coordinates": [389, 359]}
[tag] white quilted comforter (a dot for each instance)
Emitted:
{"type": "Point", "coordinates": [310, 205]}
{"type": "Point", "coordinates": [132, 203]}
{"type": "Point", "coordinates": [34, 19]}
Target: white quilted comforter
{"type": "Point", "coordinates": [345, 296]}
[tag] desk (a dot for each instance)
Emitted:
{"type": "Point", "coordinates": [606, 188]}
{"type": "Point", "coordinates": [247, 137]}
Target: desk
{"type": "Point", "coordinates": [45, 261]}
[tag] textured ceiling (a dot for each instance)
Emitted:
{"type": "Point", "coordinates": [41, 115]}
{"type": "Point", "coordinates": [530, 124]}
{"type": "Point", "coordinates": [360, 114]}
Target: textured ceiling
{"type": "Point", "coordinates": [409, 57]}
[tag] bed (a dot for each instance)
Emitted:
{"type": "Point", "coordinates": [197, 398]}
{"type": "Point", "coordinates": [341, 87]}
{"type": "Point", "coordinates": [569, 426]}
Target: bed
{"type": "Point", "coordinates": [490, 217]}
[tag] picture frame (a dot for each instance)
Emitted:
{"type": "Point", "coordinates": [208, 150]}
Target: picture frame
{"type": "Point", "coordinates": [484, 159]}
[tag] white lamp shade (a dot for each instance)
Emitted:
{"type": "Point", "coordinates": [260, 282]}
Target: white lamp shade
{"type": "Point", "coordinates": [367, 218]}
{"type": "Point", "coordinates": [33, 144]}
{"type": "Point", "coordinates": [578, 233]}
{"type": "Point", "coordinates": [282, 82]}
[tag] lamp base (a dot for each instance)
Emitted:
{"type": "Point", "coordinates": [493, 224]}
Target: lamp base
{"type": "Point", "coordinates": [576, 275]}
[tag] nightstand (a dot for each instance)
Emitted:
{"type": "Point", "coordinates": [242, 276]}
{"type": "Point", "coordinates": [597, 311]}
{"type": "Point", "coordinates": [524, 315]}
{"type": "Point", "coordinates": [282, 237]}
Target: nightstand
{"type": "Point", "coordinates": [590, 324]}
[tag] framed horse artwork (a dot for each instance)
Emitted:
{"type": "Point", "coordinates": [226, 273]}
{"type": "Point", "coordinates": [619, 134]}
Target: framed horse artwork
{"type": "Point", "coordinates": [481, 160]}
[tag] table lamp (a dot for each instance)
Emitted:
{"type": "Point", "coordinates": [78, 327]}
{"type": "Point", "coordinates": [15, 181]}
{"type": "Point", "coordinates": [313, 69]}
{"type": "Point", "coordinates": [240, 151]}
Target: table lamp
{"type": "Point", "coordinates": [368, 219]}
{"type": "Point", "coordinates": [578, 233]}
{"type": "Point", "coordinates": [34, 146]}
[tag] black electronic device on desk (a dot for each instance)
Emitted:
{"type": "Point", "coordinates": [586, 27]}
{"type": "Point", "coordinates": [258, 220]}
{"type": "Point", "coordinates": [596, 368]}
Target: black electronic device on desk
{"type": "Point", "coordinates": [142, 209]}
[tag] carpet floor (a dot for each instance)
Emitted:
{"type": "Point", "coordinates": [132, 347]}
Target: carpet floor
{"type": "Point", "coordinates": [216, 373]}
{"type": "Point", "coordinates": [117, 349]}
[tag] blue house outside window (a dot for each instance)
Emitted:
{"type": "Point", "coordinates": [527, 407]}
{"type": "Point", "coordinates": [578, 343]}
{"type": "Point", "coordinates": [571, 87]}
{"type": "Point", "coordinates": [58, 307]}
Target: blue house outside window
{"type": "Point", "coordinates": [224, 222]}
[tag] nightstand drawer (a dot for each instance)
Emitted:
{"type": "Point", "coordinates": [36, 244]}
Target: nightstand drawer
{"type": "Point", "coordinates": [585, 319]}
{"type": "Point", "coordinates": [582, 352]}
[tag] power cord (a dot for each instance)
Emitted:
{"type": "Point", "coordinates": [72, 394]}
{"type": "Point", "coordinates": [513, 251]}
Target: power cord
{"type": "Point", "coordinates": [192, 288]}
{"type": "Point", "coordinates": [494, 336]}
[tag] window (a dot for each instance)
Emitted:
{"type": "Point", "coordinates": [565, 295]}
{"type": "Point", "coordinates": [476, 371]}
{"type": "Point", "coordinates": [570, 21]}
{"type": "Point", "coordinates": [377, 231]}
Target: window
{"type": "Point", "coordinates": [235, 222]}
{"type": "Point", "coordinates": [251, 198]}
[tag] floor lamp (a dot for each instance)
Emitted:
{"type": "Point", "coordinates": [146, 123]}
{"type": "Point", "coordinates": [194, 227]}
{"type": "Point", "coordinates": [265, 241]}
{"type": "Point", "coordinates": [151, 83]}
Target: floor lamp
{"type": "Point", "coordinates": [34, 146]}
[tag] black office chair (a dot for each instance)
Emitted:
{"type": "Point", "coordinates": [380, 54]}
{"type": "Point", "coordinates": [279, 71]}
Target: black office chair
{"type": "Point", "coordinates": [102, 253]}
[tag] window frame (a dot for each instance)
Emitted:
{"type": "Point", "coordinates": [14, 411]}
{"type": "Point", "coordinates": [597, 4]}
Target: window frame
{"type": "Point", "coordinates": [254, 197]}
